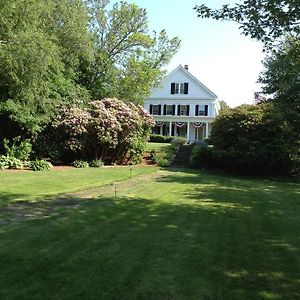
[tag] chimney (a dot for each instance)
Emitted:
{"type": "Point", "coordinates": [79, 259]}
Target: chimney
{"type": "Point", "coordinates": [186, 67]}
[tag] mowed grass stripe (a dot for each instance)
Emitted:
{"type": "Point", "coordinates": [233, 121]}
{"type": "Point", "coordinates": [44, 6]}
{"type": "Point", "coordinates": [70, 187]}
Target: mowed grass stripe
{"type": "Point", "coordinates": [167, 235]}
{"type": "Point", "coordinates": [29, 185]}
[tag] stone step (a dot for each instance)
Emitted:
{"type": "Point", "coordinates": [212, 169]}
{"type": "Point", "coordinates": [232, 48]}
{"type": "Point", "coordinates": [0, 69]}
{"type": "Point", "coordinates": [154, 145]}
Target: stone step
{"type": "Point", "coordinates": [183, 156]}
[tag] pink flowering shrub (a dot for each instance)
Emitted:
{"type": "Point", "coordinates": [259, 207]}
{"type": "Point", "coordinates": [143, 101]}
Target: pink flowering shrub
{"type": "Point", "coordinates": [107, 129]}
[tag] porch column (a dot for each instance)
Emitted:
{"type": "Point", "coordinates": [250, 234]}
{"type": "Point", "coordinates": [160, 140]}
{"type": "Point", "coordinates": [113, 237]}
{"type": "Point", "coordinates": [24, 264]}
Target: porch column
{"type": "Point", "coordinates": [206, 130]}
{"type": "Point", "coordinates": [160, 130]}
{"type": "Point", "coordinates": [170, 129]}
{"type": "Point", "coordinates": [188, 131]}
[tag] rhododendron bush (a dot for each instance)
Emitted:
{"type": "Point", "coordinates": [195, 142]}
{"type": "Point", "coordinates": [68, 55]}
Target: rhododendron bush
{"type": "Point", "coordinates": [107, 129]}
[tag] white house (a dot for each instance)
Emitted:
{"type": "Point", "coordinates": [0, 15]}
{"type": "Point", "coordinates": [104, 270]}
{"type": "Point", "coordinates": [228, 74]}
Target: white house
{"type": "Point", "coordinates": [182, 106]}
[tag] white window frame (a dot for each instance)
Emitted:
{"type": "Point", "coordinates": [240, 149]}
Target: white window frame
{"type": "Point", "coordinates": [182, 88]}
{"type": "Point", "coordinates": [155, 109]}
{"type": "Point", "coordinates": [179, 88]}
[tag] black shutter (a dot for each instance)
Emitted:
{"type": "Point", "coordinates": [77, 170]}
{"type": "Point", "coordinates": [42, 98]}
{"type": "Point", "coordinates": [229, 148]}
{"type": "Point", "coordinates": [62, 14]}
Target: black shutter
{"type": "Point", "coordinates": [187, 110]}
{"type": "Point", "coordinates": [164, 130]}
{"type": "Point", "coordinates": [151, 108]}
{"type": "Point", "coordinates": [178, 110]}
{"type": "Point", "coordinates": [197, 110]}
{"type": "Point", "coordinates": [173, 88]}
{"type": "Point", "coordinates": [173, 129]}
{"type": "Point", "coordinates": [159, 109]}
{"type": "Point", "coordinates": [206, 110]}
{"type": "Point", "coordinates": [186, 87]}
{"type": "Point", "coordinates": [165, 109]}
{"type": "Point", "coordinates": [174, 108]}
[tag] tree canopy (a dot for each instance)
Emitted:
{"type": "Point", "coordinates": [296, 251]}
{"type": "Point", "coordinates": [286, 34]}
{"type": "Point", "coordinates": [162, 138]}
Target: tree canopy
{"type": "Point", "coordinates": [276, 23]}
{"type": "Point", "coordinates": [60, 52]}
{"type": "Point", "coordinates": [264, 20]}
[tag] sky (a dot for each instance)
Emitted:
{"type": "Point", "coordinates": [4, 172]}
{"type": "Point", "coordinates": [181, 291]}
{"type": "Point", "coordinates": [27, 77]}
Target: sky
{"type": "Point", "coordinates": [227, 62]}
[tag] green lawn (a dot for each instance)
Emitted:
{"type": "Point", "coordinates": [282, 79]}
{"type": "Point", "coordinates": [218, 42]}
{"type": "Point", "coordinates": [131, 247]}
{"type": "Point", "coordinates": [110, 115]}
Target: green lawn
{"type": "Point", "coordinates": [158, 146]}
{"type": "Point", "coordinates": [168, 234]}
{"type": "Point", "coordinates": [29, 185]}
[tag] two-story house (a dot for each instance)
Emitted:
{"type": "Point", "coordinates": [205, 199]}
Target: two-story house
{"type": "Point", "coordinates": [182, 106]}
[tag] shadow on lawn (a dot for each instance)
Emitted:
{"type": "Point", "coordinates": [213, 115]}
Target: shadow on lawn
{"type": "Point", "coordinates": [216, 247]}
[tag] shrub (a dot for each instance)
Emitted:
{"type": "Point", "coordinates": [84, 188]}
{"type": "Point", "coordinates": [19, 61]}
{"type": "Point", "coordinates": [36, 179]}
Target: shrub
{"type": "Point", "coordinates": [80, 164]}
{"type": "Point", "coordinates": [255, 139]}
{"type": "Point", "coordinates": [137, 149]}
{"type": "Point", "coordinates": [96, 163]}
{"type": "Point", "coordinates": [152, 154]}
{"type": "Point", "coordinates": [163, 158]}
{"type": "Point", "coordinates": [40, 165]}
{"type": "Point", "coordinates": [163, 162]}
{"type": "Point", "coordinates": [202, 156]}
{"type": "Point", "coordinates": [17, 148]}
{"type": "Point", "coordinates": [108, 129]}
{"type": "Point", "coordinates": [157, 138]}
{"type": "Point", "coordinates": [7, 162]}
{"type": "Point", "coordinates": [4, 164]}
{"type": "Point", "coordinates": [178, 141]}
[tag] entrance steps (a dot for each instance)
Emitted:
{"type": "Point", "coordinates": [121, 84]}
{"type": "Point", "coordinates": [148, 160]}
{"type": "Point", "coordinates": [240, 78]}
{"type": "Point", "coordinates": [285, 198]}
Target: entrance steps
{"type": "Point", "coordinates": [182, 157]}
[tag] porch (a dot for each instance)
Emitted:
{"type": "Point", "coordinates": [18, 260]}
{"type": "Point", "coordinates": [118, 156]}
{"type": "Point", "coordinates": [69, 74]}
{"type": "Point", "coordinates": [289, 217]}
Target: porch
{"type": "Point", "coordinates": [192, 131]}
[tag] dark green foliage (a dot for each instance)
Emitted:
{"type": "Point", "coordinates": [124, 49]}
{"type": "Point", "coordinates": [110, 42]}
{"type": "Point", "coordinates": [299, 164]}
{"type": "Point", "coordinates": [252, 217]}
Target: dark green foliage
{"type": "Point", "coordinates": [137, 148]}
{"type": "Point", "coordinates": [281, 80]}
{"type": "Point", "coordinates": [51, 144]}
{"type": "Point", "coordinates": [128, 59]}
{"type": "Point", "coordinates": [272, 143]}
{"type": "Point", "coordinates": [43, 46]}
{"type": "Point", "coordinates": [157, 138]}
{"type": "Point", "coordinates": [80, 164]}
{"type": "Point", "coordinates": [254, 140]}
{"type": "Point", "coordinates": [57, 54]}
{"type": "Point", "coordinates": [202, 156]}
{"type": "Point", "coordinates": [40, 165]}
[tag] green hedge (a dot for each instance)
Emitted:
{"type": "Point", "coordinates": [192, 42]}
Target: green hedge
{"type": "Point", "coordinates": [157, 138]}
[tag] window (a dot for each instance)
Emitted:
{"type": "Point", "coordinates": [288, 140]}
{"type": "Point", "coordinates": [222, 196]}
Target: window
{"type": "Point", "coordinates": [155, 110]}
{"type": "Point", "coordinates": [201, 110]}
{"type": "Point", "coordinates": [179, 88]}
{"type": "Point", "coordinates": [169, 109]}
{"type": "Point", "coordinates": [183, 110]}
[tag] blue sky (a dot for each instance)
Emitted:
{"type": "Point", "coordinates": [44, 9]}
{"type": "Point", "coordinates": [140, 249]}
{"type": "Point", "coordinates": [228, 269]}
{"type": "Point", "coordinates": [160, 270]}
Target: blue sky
{"type": "Point", "coordinates": [217, 54]}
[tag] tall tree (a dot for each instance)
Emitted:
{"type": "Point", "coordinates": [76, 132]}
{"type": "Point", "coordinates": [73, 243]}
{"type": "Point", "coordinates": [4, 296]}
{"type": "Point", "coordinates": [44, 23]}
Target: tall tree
{"type": "Point", "coordinates": [60, 51]}
{"type": "Point", "coordinates": [264, 20]}
{"type": "Point", "coordinates": [128, 59]}
{"type": "Point", "coordinates": [43, 43]}
{"type": "Point", "coordinates": [281, 80]}
{"type": "Point", "coordinates": [223, 105]}
{"type": "Point", "coordinates": [277, 24]}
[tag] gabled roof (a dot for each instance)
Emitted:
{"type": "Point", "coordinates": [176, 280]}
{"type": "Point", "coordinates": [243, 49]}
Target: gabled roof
{"type": "Point", "coordinates": [180, 67]}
